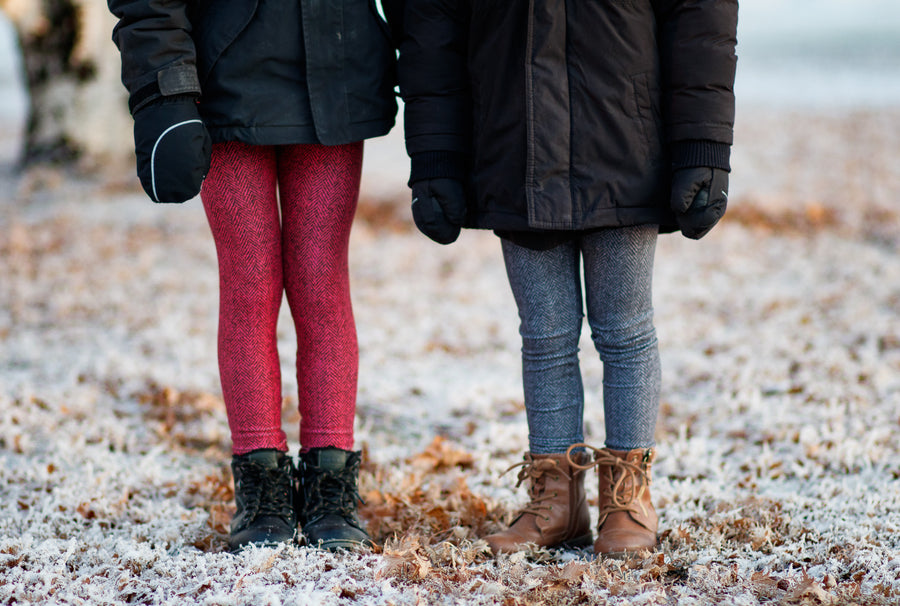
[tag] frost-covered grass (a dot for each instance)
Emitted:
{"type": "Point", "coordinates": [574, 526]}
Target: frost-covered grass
{"type": "Point", "coordinates": [778, 479]}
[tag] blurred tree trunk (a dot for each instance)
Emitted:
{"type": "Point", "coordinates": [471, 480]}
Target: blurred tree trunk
{"type": "Point", "coordinates": [78, 108]}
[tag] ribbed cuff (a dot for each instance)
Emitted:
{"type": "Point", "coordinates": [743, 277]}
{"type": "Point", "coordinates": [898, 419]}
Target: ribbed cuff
{"type": "Point", "coordinates": [687, 154]}
{"type": "Point", "coordinates": [437, 164]}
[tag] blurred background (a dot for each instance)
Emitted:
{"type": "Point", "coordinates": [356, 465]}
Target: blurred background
{"type": "Point", "coordinates": [820, 54]}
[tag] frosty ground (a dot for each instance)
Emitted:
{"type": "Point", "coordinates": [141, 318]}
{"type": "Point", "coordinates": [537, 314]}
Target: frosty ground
{"type": "Point", "coordinates": [778, 478]}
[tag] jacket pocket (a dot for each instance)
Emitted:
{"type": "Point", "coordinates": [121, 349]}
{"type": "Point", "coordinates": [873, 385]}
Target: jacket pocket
{"type": "Point", "coordinates": [648, 116]}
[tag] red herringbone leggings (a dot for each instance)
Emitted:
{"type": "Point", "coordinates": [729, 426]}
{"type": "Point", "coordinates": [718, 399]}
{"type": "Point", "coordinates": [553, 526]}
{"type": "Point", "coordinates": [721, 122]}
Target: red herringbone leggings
{"type": "Point", "coordinates": [303, 254]}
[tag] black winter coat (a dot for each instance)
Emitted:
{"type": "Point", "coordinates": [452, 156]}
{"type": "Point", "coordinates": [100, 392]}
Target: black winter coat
{"type": "Point", "coordinates": [346, 59]}
{"type": "Point", "coordinates": [567, 114]}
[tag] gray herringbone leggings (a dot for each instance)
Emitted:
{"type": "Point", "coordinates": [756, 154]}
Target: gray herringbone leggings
{"type": "Point", "coordinates": [618, 269]}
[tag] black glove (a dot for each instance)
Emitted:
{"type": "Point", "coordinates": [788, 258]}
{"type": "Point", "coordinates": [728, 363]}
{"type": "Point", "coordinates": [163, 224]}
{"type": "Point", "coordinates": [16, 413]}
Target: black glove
{"type": "Point", "coordinates": [699, 198]}
{"type": "Point", "coordinates": [439, 208]}
{"type": "Point", "coordinates": [172, 147]}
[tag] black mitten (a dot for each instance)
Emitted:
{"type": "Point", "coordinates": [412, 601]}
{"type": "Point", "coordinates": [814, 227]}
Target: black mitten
{"type": "Point", "coordinates": [172, 147]}
{"type": "Point", "coordinates": [439, 208]}
{"type": "Point", "coordinates": [699, 198]}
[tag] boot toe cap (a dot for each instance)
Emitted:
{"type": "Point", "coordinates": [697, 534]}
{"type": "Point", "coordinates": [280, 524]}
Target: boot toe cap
{"type": "Point", "coordinates": [503, 543]}
{"type": "Point", "coordinates": [620, 542]}
{"type": "Point", "coordinates": [264, 535]}
{"type": "Point", "coordinates": [335, 533]}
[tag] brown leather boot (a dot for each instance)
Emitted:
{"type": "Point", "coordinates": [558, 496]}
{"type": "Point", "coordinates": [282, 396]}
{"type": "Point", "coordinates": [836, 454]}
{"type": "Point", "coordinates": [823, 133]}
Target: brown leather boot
{"type": "Point", "coordinates": [557, 515]}
{"type": "Point", "coordinates": [627, 521]}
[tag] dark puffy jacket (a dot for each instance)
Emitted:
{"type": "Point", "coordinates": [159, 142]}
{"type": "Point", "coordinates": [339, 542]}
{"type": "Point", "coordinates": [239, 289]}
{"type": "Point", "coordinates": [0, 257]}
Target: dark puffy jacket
{"type": "Point", "coordinates": [567, 114]}
{"type": "Point", "coordinates": [171, 47]}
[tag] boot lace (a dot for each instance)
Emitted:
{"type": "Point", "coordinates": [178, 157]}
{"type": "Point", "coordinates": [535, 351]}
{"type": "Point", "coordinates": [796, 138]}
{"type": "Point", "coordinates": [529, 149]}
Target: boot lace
{"type": "Point", "coordinates": [327, 492]}
{"type": "Point", "coordinates": [536, 470]}
{"type": "Point", "coordinates": [266, 491]}
{"type": "Point", "coordinates": [621, 474]}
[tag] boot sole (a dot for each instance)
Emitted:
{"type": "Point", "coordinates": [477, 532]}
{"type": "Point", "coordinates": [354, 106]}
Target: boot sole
{"type": "Point", "coordinates": [622, 555]}
{"type": "Point", "coordinates": [342, 545]}
{"type": "Point", "coordinates": [578, 542]}
{"type": "Point", "coordinates": [271, 544]}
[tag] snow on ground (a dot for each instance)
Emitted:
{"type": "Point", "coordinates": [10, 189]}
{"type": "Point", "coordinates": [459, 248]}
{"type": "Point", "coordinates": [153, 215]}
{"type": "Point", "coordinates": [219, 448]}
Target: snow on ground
{"type": "Point", "coordinates": [778, 478]}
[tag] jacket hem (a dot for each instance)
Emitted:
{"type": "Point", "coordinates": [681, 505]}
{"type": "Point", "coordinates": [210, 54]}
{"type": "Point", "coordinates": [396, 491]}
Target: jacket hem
{"type": "Point", "coordinates": [298, 135]}
{"type": "Point", "coordinates": [264, 135]}
{"type": "Point", "coordinates": [357, 131]}
{"type": "Point", "coordinates": [615, 217]}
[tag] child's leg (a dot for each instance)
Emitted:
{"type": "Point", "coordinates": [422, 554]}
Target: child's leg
{"type": "Point", "coordinates": [546, 285]}
{"type": "Point", "coordinates": [319, 188]}
{"type": "Point", "coordinates": [240, 202]}
{"type": "Point", "coordinates": [618, 273]}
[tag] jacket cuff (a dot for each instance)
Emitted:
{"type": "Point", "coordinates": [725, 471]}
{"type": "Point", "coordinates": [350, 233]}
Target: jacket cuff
{"type": "Point", "coordinates": [437, 164]}
{"type": "Point", "coordinates": [176, 80]}
{"type": "Point", "coordinates": [693, 153]}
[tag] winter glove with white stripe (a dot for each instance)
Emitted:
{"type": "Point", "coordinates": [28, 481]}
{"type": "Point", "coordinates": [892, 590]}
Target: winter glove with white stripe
{"type": "Point", "coordinates": [439, 208]}
{"type": "Point", "coordinates": [699, 198]}
{"type": "Point", "coordinates": [172, 147]}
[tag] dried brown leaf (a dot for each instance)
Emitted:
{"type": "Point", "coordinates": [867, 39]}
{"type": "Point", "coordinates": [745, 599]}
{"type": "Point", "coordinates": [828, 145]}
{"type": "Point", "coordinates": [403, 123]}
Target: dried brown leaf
{"type": "Point", "coordinates": [405, 559]}
{"type": "Point", "coordinates": [440, 454]}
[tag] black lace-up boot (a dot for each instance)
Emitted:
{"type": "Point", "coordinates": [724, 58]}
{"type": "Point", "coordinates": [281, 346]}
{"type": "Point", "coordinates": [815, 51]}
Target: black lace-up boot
{"type": "Point", "coordinates": [328, 499]}
{"type": "Point", "coordinates": [264, 494]}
